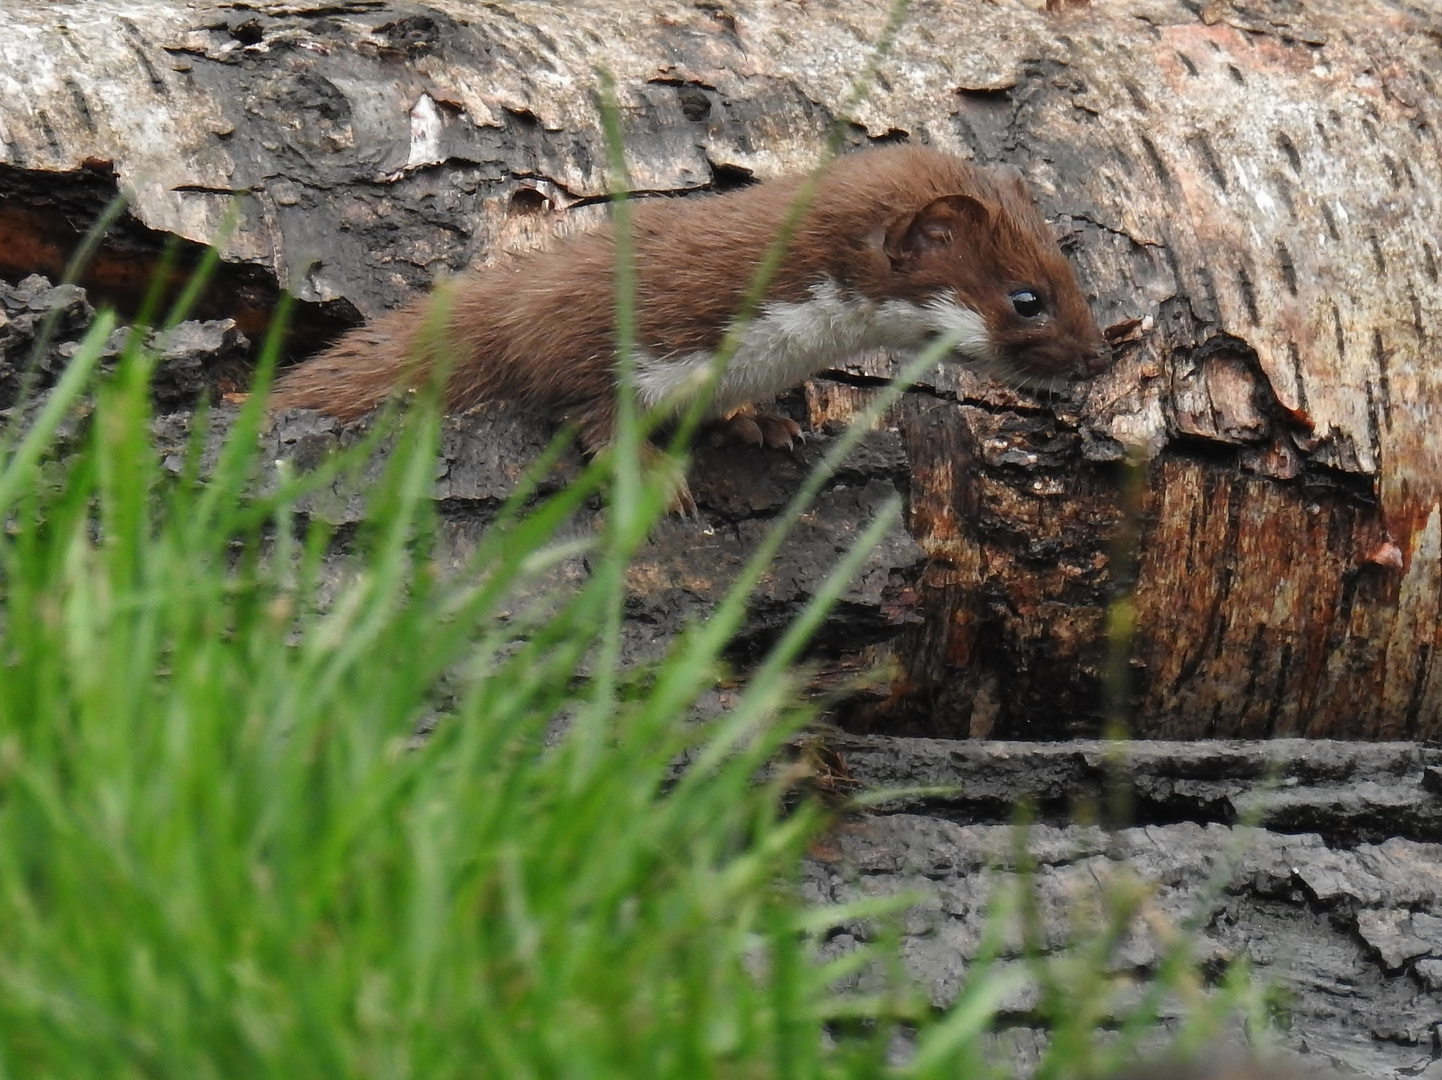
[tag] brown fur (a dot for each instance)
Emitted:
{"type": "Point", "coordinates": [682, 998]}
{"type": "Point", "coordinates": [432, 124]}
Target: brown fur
{"type": "Point", "coordinates": [902, 222]}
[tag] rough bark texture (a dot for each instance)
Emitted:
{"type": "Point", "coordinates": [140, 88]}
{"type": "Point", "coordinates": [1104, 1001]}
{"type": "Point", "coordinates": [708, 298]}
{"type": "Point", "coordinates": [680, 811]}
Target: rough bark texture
{"type": "Point", "coordinates": [1318, 860]}
{"type": "Point", "coordinates": [1252, 192]}
{"type": "Point", "coordinates": [1352, 936]}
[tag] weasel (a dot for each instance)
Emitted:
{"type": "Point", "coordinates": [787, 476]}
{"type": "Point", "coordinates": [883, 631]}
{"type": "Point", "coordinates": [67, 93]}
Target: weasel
{"type": "Point", "coordinates": [898, 245]}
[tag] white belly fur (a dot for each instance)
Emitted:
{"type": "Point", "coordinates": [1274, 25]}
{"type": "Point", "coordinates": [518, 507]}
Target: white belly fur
{"type": "Point", "coordinates": [788, 342]}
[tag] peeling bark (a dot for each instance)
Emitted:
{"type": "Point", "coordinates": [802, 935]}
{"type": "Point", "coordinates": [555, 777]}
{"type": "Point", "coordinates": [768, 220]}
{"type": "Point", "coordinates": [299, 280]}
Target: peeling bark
{"type": "Point", "coordinates": [1349, 935]}
{"type": "Point", "coordinates": [1251, 191]}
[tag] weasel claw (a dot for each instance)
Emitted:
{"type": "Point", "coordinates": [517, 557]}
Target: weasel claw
{"type": "Point", "coordinates": [751, 428]}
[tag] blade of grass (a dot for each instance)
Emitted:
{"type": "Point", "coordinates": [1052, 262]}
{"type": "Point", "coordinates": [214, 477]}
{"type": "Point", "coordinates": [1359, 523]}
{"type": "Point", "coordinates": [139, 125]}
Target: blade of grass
{"type": "Point", "coordinates": [20, 467]}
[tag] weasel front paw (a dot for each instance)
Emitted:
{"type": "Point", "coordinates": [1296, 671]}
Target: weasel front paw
{"type": "Point", "coordinates": [751, 428]}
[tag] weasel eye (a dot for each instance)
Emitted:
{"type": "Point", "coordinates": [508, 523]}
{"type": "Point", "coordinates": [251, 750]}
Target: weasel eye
{"type": "Point", "coordinates": [1027, 303]}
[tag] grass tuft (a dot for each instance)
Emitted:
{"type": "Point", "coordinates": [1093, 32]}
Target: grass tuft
{"type": "Point", "coordinates": [223, 852]}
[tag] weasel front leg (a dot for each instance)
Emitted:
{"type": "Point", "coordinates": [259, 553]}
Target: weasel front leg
{"type": "Point", "coordinates": [749, 426]}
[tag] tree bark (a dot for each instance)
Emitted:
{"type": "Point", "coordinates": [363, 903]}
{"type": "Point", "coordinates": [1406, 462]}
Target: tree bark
{"type": "Point", "coordinates": [1252, 193]}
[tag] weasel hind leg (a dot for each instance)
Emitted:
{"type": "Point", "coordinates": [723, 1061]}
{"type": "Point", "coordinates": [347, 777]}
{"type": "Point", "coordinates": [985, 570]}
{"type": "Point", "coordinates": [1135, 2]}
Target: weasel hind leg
{"type": "Point", "coordinates": [598, 432]}
{"type": "Point", "coordinates": [672, 473]}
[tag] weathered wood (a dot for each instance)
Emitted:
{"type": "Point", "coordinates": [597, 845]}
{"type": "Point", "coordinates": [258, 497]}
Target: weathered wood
{"type": "Point", "coordinates": [1349, 793]}
{"type": "Point", "coordinates": [1252, 192]}
{"type": "Point", "coordinates": [1347, 935]}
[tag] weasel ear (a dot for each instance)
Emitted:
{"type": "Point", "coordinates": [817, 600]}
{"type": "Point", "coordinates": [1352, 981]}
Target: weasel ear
{"type": "Point", "coordinates": [940, 223]}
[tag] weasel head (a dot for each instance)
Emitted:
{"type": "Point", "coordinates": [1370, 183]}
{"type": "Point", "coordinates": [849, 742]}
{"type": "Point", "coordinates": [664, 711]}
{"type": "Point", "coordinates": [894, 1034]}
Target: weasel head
{"type": "Point", "coordinates": [989, 251]}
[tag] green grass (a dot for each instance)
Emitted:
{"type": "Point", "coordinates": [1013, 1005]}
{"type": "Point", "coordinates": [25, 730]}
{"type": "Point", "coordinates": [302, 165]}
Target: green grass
{"type": "Point", "coordinates": [223, 854]}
